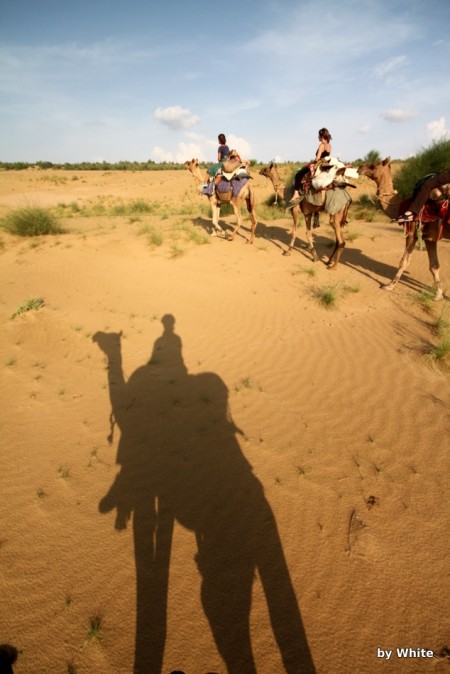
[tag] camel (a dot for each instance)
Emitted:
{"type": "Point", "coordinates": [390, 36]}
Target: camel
{"type": "Point", "coordinates": [246, 194]}
{"type": "Point", "coordinates": [393, 206]}
{"type": "Point", "coordinates": [337, 220]}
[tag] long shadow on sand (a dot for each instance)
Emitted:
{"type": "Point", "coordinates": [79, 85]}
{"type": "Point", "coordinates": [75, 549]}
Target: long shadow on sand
{"type": "Point", "coordinates": [180, 461]}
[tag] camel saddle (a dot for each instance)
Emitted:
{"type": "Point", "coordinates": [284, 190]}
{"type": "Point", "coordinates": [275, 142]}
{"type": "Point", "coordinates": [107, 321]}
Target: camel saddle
{"type": "Point", "coordinates": [434, 219]}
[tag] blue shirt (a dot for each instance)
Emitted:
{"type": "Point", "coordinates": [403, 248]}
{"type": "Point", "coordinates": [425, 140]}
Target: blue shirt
{"type": "Point", "coordinates": [223, 151]}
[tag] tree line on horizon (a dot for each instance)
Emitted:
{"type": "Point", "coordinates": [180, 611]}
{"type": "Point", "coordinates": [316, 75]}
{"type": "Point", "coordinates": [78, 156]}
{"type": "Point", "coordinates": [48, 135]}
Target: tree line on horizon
{"type": "Point", "coordinates": [431, 159]}
{"type": "Point", "coordinates": [149, 165]}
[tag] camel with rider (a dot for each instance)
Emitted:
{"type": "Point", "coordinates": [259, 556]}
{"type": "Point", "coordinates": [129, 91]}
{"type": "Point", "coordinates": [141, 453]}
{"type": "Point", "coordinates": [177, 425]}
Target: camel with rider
{"type": "Point", "coordinates": [432, 225]}
{"type": "Point", "coordinates": [246, 195]}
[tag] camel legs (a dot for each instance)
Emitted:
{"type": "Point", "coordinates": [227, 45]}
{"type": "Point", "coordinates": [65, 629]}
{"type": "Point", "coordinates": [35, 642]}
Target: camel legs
{"type": "Point", "coordinates": [309, 234]}
{"type": "Point", "coordinates": [251, 209]}
{"type": "Point", "coordinates": [250, 202]}
{"type": "Point", "coordinates": [337, 222]}
{"type": "Point", "coordinates": [215, 212]}
{"type": "Point", "coordinates": [310, 237]}
{"type": "Point", "coordinates": [411, 240]}
{"type": "Point", "coordinates": [431, 247]}
{"type": "Point", "coordinates": [238, 214]}
{"type": "Point", "coordinates": [433, 260]}
{"type": "Point", "coordinates": [295, 214]}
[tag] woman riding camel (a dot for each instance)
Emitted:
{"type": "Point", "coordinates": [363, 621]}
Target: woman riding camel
{"type": "Point", "coordinates": [324, 150]}
{"type": "Point", "coordinates": [223, 152]}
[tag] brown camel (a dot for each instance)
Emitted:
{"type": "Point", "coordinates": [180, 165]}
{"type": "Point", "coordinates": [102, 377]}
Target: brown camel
{"type": "Point", "coordinates": [246, 194]}
{"type": "Point", "coordinates": [393, 206]}
{"type": "Point", "coordinates": [337, 220]}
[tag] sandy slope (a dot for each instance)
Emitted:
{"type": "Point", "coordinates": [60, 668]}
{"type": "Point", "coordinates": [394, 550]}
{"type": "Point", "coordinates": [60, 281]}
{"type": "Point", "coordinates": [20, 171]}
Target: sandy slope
{"type": "Point", "coordinates": [300, 454]}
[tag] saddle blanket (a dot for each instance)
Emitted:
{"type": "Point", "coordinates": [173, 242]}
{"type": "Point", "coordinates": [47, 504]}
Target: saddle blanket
{"type": "Point", "coordinates": [330, 169]}
{"type": "Point", "coordinates": [336, 200]}
{"type": "Point", "coordinates": [434, 219]}
{"type": "Point", "coordinates": [235, 184]}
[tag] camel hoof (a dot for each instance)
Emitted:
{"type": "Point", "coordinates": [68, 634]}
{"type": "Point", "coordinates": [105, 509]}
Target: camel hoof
{"type": "Point", "coordinates": [439, 296]}
{"type": "Point", "coordinates": [388, 287]}
{"type": "Point", "coordinates": [286, 253]}
{"type": "Point", "coordinates": [213, 233]}
{"type": "Point", "coordinates": [315, 257]}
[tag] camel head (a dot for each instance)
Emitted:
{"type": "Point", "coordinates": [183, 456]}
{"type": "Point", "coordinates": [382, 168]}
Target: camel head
{"type": "Point", "coordinates": [378, 171]}
{"type": "Point", "coordinates": [268, 171]}
{"type": "Point", "coordinates": [381, 174]}
{"type": "Point", "coordinates": [194, 168]}
{"type": "Point", "coordinates": [191, 165]}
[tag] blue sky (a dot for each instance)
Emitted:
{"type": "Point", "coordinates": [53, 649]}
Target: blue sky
{"type": "Point", "coordinates": [94, 80]}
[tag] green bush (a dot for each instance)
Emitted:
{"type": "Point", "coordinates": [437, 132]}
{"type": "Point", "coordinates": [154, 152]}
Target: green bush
{"type": "Point", "coordinates": [33, 303]}
{"type": "Point", "coordinates": [31, 221]}
{"type": "Point", "coordinates": [432, 159]}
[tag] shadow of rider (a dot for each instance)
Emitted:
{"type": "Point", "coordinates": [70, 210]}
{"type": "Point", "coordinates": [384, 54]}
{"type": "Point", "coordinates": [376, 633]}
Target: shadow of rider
{"type": "Point", "coordinates": [180, 460]}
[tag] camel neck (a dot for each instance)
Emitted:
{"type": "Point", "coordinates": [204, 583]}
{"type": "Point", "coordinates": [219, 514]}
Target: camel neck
{"type": "Point", "coordinates": [387, 196]}
{"type": "Point", "coordinates": [278, 185]}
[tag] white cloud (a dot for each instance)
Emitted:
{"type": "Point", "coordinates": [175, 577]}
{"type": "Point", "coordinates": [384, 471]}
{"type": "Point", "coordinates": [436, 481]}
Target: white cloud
{"type": "Point", "coordinates": [387, 67]}
{"type": "Point", "coordinates": [185, 152]}
{"type": "Point", "coordinates": [239, 144]}
{"type": "Point", "coordinates": [176, 117]}
{"type": "Point", "coordinates": [397, 115]}
{"type": "Point", "coordinates": [437, 129]}
{"type": "Point", "coordinates": [365, 128]}
{"type": "Point", "coordinates": [200, 148]}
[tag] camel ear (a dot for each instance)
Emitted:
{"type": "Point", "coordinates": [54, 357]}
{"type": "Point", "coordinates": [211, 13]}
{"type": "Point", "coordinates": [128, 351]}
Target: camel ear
{"type": "Point", "coordinates": [387, 161]}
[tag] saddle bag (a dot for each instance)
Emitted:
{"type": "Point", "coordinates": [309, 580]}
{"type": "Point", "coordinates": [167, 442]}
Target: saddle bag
{"type": "Point", "coordinates": [230, 165]}
{"type": "Point", "coordinates": [224, 191]}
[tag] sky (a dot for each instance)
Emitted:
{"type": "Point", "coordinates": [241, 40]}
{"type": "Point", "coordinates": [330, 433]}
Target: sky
{"type": "Point", "coordinates": [109, 80]}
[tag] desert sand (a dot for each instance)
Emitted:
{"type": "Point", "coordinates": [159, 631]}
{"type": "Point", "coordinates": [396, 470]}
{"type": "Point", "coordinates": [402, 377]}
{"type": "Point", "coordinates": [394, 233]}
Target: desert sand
{"type": "Point", "coordinates": [202, 467]}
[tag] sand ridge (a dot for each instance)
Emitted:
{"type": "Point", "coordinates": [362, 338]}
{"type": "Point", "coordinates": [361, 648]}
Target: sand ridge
{"type": "Point", "coordinates": [257, 410]}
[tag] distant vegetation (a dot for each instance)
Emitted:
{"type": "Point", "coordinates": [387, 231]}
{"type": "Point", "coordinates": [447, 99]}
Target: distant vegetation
{"type": "Point", "coordinates": [94, 166]}
{"type": "Point", "coordinates": [432, 159]}
{"type": "Point", "coordinates": [372, 157]}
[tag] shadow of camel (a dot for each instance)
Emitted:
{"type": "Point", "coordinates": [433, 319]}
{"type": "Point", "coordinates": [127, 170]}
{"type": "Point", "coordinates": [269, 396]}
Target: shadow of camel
{"type": "Point", "coordinates": [373, 269]}
{"type": "Point", "coordinates": [180, 461]}
{"type": "Point", "coordinates": [206, 225]}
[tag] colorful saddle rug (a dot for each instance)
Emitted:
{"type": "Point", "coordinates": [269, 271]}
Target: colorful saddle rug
{"type": "Point", "coordinates": [434, 219]}
{"type": "Point", "coordinates": [226, 187]}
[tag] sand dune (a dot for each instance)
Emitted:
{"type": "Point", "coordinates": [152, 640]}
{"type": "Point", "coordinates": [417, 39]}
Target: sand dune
{"type": "Point", "coordinates": [272, 490]}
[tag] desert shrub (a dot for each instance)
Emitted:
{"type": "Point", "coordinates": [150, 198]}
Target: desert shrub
{"type": "Point", "coordinates": [142, 206]}
{"type": "Point", "coordinates": [352, 235]}
{"type": "Point", "coordinates": [199, 238]}
{"type": "Point", "coordinates": [327, 295]}
{"type": "Point", "coordinates": [120, 209]}
{"type": "Point", "coordinates": [32, 304]}
{"type": "Point", "coordinates": [365, 208]}
{"type": "Point", "coordinates": [432, 159]}
{"type": "Point", "coordinates": [31, 221]}
{"type": "Point", "coordinates": [155, 237]}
